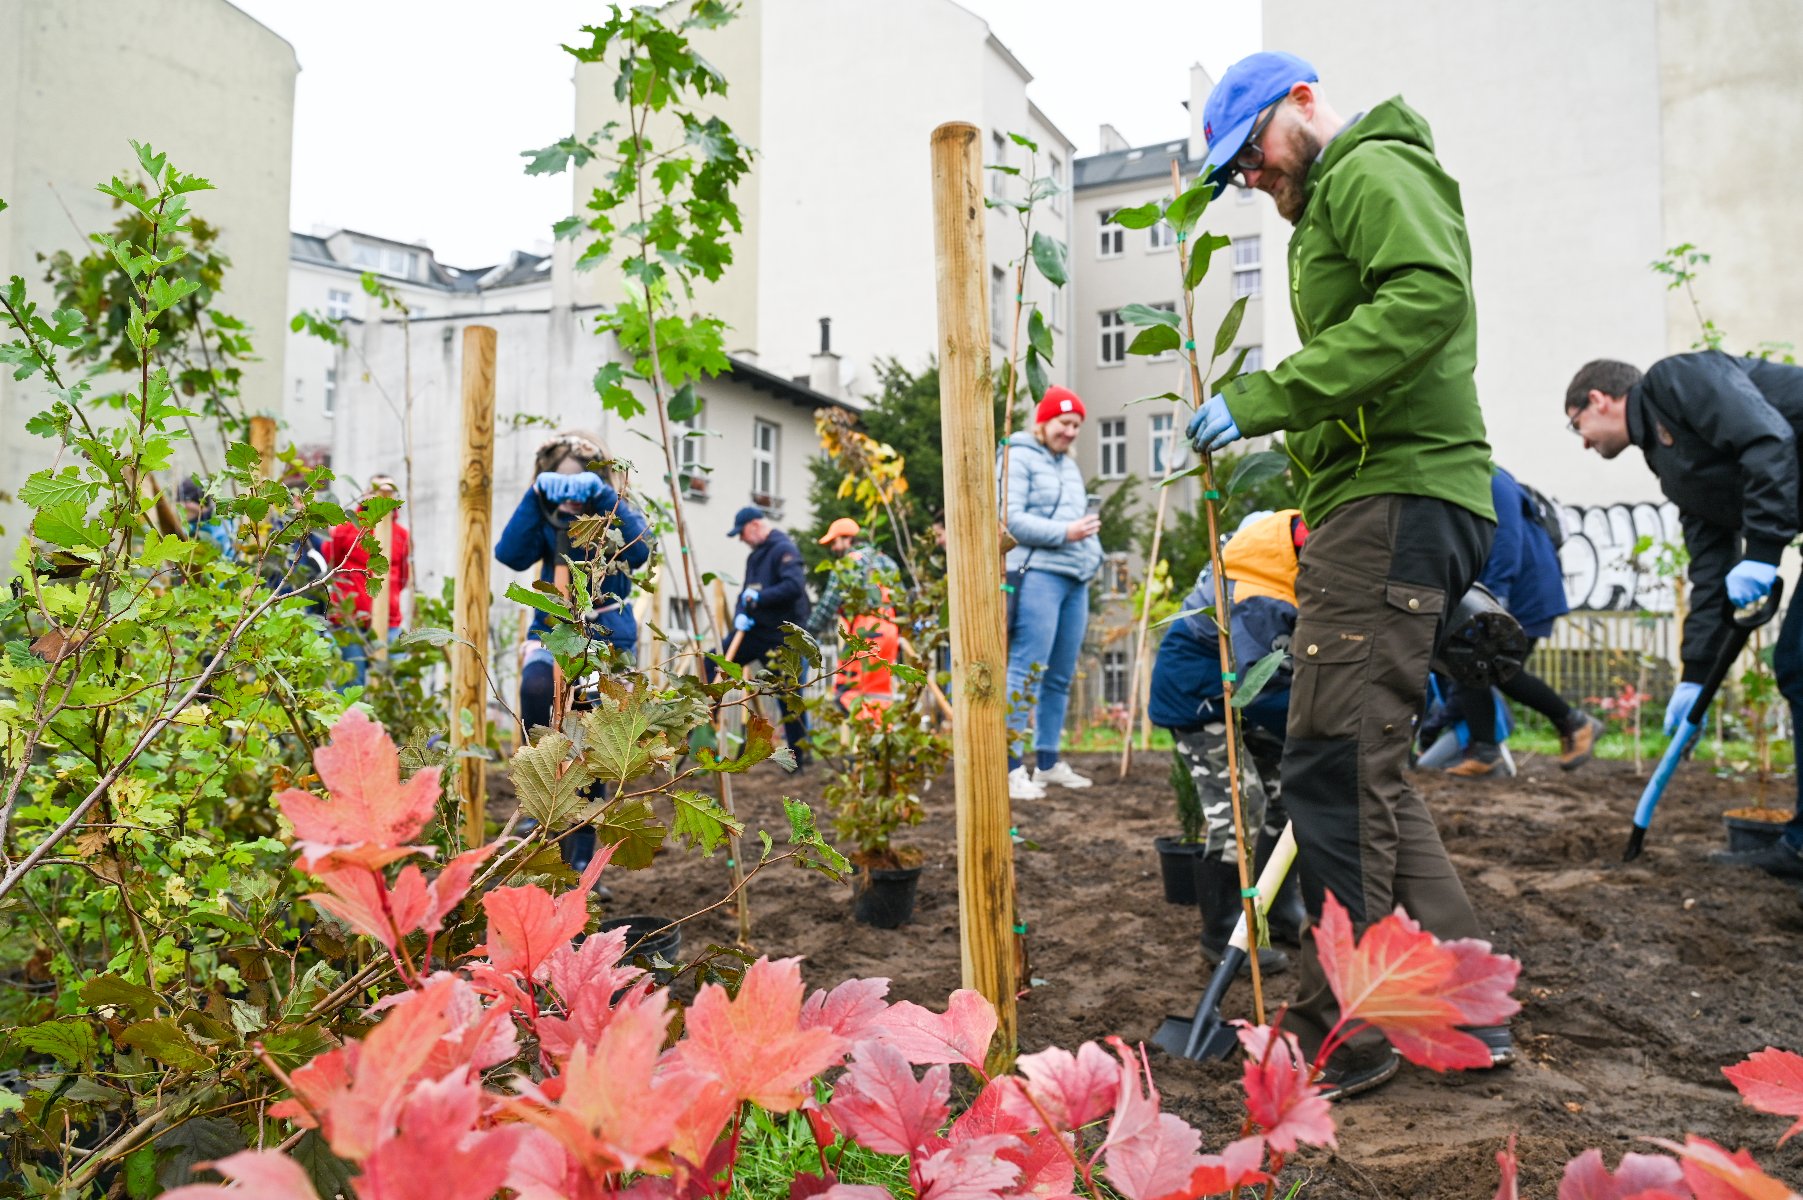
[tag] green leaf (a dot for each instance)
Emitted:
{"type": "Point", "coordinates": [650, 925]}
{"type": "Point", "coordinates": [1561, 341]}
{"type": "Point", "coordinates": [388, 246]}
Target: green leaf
{"type": "Point", "coordinates": [684, 404]}
{"type": "Point", "coordinates": [141, 1173]}
{"type": "Point", "coordinates": [817, 853]}
{"type": "Point", "coordinates": [552, 604]}
{"type": "Point", "coordinates": [1202, 252]}
{"type": "Point", "coordinates": [1141, 216]}
{"type": "Point", "coordinates": [1145, 314]}
{"type": "Point", "coordinates": [1230, 326]}
{"type": "Point", "coordinates": [296, 1046]}
{"type": "Point", "coordinates": [45, 490]}
{"type": "Point", "coordinates": [1036, 377]}
{"type": "Point", "coordinates": [1232, 373]}
{"type": "Point", "coordinates": [247, 1018]}
{"type": "Point", "coordinates": [71, 1043]}
{"type": "Point", "coordinates": [545, 796]}
{"type": "Point", "coordinates": [701, 822]}
{"type": "Point", "coordinates": [1039, 334]}
{"type": "Point", "coordinates": [1050, 257]}
{"type": "Point", "coordinates": [139, 1000]}
{"type": "Point", "coordinates": [1186, 209]}
{"type": "Point", "coordinates": [621, 739]}
{"type": "Point", "coordinates": [67, 525]}
{"type": "Point", "coordinates": [568, 227]}
{"type": "Point", "coordinates": [1155, 339]}
{"type": "Point", "coordinates": [760, 744]}
{"type": "Point", "coordinates": [633, 829]}
{"type": "Point", "coordinates": [204, 1139]}
{"type": "Point", "coordinates": [329, 1174]}
{"type": "Point", "coordinates": [164, 1041]}
{"type": "Point", "coordinates": [1254, 469]}
{"type": "Point", "coordinates": [1257, 678]}
{"type": "Point", "coordinates": [1021, 139]}
{"type": "Point", "coordinates": [242, 456]}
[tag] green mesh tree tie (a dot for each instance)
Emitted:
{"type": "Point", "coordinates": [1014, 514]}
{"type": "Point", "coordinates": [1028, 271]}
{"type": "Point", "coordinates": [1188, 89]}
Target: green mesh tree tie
{"type": "Point", "coordinates": [1182, 234]}
{"type": "Point", "coordinates": [1229, 677]}
{"type": "Point", "coordinates": [1021, 928]}
{"type": "Point", "coordinates": [1211, 494]}
{"type": "Point", "coordinates": [1008, 587]}
{"type": "Point", "coordinates": [1013, 831]}
{"type": "Point", "coordinates": [1250, 893]}
{"type": "Point", "coordinates": [1189, 343]}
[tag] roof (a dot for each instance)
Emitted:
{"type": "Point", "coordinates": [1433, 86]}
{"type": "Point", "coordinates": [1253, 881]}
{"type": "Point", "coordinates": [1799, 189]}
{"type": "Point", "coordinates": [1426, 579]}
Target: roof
{"type": "Point", "coordinates": [521, 266]}
{"type": "Point", "coordinates": [1126, 166]}
{"type": "Point", "coordinates": [760, 380]}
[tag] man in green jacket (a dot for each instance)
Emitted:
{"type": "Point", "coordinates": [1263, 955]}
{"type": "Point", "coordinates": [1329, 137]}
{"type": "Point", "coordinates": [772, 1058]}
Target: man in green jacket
{"type": "Point", "coordinates": [1387, 442]}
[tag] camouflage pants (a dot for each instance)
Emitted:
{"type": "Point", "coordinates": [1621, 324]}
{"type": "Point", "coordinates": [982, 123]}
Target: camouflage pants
{"type": "Point", "coordinates": [1202, 753]}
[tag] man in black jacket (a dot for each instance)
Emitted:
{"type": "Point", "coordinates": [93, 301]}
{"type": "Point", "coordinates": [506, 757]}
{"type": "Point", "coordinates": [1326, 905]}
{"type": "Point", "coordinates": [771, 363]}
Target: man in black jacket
{"type": "Point", "coordinates": [1721, 433]}
{"type": "Point", "coordinates": [775, 591]}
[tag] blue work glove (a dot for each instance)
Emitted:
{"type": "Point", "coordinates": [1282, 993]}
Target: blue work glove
{"type": "Point", "coordinates": [1750, 581]}
{"type": "Point", "coordinates": [742, 623]}
{"type": "Point", "coordinates": [582, 486]}
{"type": "Point", "coordinates": [1212, 427]}
{"type": "Point", "coordinates": [1679, 707]}
{"type": "Point", "coordinates": [749, 597]}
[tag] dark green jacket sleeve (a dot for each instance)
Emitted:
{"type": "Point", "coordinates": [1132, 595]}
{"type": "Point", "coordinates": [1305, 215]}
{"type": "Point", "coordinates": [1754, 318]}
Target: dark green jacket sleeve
{"type": "Point", "coordinates": [1394, 213]}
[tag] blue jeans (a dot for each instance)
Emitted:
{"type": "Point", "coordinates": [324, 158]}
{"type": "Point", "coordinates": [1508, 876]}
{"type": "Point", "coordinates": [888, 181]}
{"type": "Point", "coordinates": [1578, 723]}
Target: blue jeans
{"type": "Point", "coordinates": [1052, 611]}
{"type": "Point", "coordinates": [1787, 667]}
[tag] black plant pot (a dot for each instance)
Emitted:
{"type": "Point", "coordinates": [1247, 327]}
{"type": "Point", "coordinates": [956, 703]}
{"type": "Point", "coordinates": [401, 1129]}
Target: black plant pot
{"type": "Point", "coordinates": [884, 897]}
{"type": "Point", "coordinates": [1744, 835]}
{"type": "Point", "coordinates": [1177, 863]}
{"type": "Point", "coordinates": [644, 942]}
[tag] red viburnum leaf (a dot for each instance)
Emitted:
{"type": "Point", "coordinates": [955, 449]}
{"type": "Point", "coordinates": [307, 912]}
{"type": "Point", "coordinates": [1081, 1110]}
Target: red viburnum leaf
{"type": "Point", "coordinates": [259, 1174]}
{"type": "Point", "coordinates": [1045, 1164]}
{"type": "Point", "coordinates": [1397, 978]}
{"type": "Point", "coordinates": [1509, 1188]}
{"type": "Point", "coordinates": [853, 1010]}
{"type": "Point", "coordinates": [1715, 1174]}
{"type": "Point", "coordinates": [855, 1191]}
{"type": "Point", "coordinates": [541, 1169]}
{"type": "Point", "coordinates": [586, 978]}
{"type": "Point", "coordinates": [1772, 1082]}
{"type": "Point", "coordinates": [358, 896]}
{"type": "Point", "coordinates": [753, 1043]}
{"type": "Point", "coordinates": [438, 1153]}
{"type": "Point", "coordinates": [969, 1170]}
{"type": "Point", "coordinates": [526, 924]}
{"type": "Point", "coordinates": [1149, 1153]}
{"type": "Point", "coordinates": [1288, 1108]}
{"type": "Point", "coordinates": [1071, 1090]}
{"type": "Point", "coordinates": [1237, 1165]}
{"type": "Point", "coordinates": [1586, 1178]}
{"type": "Point", "coordinates": [369, 804]}
{"type": "Point", "coordinates": [958, 1035]}
{"type": "Point", "coordinates": [1481, 982]}
{"type": "Point", "coordinates": [880, 1105]}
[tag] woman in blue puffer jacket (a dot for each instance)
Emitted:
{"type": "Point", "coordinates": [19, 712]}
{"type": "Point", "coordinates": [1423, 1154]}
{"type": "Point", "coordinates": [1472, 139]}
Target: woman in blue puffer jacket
{"type": "Point", "coordinates": [1058, 553]}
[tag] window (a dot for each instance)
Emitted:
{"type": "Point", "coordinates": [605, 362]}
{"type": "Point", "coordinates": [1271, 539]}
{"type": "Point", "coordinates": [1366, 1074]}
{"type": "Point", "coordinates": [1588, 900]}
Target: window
{"type": "Point", "coordinates": [1247, 277]}
{"type": "Point", "coordinates": [399, 263]}
{"type": "Point", "coordinates": [998, 180]}
{"type": "Point", "coordinates": [1117, 574]}
{"type": "Point", "coordinates": [1114, 339]}
{"type": "Point", "coordinates": [686, 443]}
{"type": "Point", "coordinates": [338, 304]}
{"type": "Point", "coordinates": [998, 305]}
{"type": "Point", "coordinates": [363, 255]}
{"type": "Point", "coordinates": [1114, 447]}
{"type": "Point", "coordinates": [1111, 239]}
{"type": "Point", "coordinates": [1255, 359]}
{"type": "Point", "coordinates": [682, 616]}
{"type": "Point", "coordinates": [1114, 677]}
{"type": "Point", "coordinates": [1160, 237]}
{"type": "Point", "coordinates": [765, 439]}
{"type": "Point", "coordinates": [329, 397]}
{"type": "Point", "coordinates": [1056, 173]}
{"type": "Point", "coordinates": [1164, 449]}
{"type": "Point", "coordinates": [1169, 306]}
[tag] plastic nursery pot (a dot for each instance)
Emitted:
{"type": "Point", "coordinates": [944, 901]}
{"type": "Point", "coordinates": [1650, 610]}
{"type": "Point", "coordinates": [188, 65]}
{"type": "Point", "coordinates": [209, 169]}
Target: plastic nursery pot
{"type": "Point", "coordinates": [643, 941]}
{"type": "Point", "coordinates": [1177, 863]}
{"type": "Point", "coordinates": [1753, 828]}
{"type": "Point", "coordinates": [884, 896]}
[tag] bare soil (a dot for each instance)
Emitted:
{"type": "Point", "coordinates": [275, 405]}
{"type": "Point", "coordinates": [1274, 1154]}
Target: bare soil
{"type": "Point", "coordinates": [1639, 983]}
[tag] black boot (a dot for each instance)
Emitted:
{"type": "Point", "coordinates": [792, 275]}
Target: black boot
{"type": "Point", "coordinates": [1286, 917]}
{"type": "Point", "coordinates": [1218, 897]}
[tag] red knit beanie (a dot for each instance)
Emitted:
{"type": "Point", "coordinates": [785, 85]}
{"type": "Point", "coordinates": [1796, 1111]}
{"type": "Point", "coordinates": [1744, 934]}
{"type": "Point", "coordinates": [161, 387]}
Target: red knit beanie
{"type": "Point", "coordinates": [1057, 402]}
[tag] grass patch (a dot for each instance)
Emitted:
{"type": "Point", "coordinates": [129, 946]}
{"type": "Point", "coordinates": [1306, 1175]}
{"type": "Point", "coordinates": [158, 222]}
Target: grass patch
{"type": "Point", "coordinates": [775, 1148]}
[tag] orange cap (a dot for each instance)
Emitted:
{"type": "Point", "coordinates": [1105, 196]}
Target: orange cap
{"type": "Point", "coordinates": [843, 527]}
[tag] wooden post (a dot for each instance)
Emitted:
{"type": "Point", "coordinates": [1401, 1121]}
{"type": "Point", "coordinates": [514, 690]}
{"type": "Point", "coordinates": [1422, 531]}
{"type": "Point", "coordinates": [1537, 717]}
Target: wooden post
{"type": "Point", "coordinates": [475, 502]}
{"type": "Point", "coordinates": [1145, 608]}
{"type": "Point", "coordinates": [262, 439]}
{"type": "Point", "coordinates": [379, 606]}
{"type": "Point", "coordinates": [974, 576]}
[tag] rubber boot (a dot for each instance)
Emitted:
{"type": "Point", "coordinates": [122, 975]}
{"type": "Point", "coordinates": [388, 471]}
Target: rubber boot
{"type": "Point", "coordinates": [1218, 896]}
{"type": "Point", "coordinates": [1286, 917]}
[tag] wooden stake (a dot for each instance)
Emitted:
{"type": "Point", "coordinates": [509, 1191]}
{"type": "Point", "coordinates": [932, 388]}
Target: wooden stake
{"type": "Point", "coordinates": [979, 639]}
{"type": "Point", "coordinates": [262, 439]}
{"type": "Point", "coordinates": [475, 505]}
{"type": "Point", "coordinates": [1145, 608]}
{"type": "Point", "coordinates": [378, 609]}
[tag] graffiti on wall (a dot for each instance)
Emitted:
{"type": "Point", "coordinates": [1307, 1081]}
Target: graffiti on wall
{"type": "Point", "coordinates": [1601, 571]}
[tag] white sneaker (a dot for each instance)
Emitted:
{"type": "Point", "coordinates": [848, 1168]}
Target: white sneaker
{"type": "Point", "coordinates": [1022, 787]}
{"type": "Point", "coordinates": [1061, 774]}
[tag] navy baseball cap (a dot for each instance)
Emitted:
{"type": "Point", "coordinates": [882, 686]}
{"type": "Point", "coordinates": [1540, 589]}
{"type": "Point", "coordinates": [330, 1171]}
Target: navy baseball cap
{"type": "Point", "coordinates": [744, 517]}
{"type": "Point", "coordinates": [1249, 85]}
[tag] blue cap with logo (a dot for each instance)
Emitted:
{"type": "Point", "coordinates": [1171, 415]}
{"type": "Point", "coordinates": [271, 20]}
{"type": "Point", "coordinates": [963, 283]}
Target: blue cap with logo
{"type": "Point", "coordinates": [744, 517]}
{"type": "Point", "coordinates": [1248, 86]}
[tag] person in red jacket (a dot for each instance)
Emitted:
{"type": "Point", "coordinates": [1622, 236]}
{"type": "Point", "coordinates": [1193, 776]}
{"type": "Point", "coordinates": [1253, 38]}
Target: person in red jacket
{"type": "Point", "coordinates": [345, 554]}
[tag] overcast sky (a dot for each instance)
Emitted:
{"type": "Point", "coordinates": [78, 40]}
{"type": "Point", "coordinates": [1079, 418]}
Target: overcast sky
{"type": "Point", "coordinates": [409, 119]}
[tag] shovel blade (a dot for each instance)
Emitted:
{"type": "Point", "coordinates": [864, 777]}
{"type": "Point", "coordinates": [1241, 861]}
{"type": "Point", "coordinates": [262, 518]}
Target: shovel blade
{"type": "Point", "coordinates": [1177, 1035]}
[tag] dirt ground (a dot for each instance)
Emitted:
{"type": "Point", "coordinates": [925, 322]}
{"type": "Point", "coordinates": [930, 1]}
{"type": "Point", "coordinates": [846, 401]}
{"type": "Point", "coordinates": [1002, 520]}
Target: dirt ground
{"type": "Point", "coordinates": [1639, 981]}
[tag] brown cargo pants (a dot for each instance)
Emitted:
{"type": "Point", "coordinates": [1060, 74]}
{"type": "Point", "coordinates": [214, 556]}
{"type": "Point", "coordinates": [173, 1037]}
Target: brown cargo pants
{"type": "Point", "coordinates": [1376, 578]}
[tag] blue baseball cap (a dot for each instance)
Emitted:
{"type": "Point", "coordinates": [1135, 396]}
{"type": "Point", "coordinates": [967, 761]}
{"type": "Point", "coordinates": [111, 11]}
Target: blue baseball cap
{"type": "Point", "coordinates": [744, 517]}
{"type": "Point", "coordinates": [1249, 85]}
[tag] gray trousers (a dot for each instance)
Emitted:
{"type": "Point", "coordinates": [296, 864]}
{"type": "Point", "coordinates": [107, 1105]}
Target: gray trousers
{"type": "Point", "coordinates": [1202, 753]}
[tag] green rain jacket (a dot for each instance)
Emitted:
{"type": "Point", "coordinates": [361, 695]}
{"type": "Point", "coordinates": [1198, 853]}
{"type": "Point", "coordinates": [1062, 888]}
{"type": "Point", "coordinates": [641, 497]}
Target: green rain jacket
{"type": "Point", "coordinates": [1380, 400]}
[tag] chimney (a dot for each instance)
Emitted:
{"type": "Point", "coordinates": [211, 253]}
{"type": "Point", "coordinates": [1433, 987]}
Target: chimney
{"type": "Point", "coordinates": [1199, 87]}
{"type": "Point", "coordinates": [1112, 140]}
{"type": "Point", "coordinates": [824, 376]}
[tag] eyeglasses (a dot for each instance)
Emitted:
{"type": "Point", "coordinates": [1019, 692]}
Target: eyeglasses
{"type": "Point", "coordinates": [1251, 156]}
{"type": "Point", "coordinates": [1577, 412]}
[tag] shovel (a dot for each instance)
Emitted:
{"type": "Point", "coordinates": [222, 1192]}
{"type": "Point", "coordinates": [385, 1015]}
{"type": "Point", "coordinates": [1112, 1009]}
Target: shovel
{"type": "Point", "coordinates": [1741, 624]}
{"type": "Point", "coordinates": [1207, 1034]}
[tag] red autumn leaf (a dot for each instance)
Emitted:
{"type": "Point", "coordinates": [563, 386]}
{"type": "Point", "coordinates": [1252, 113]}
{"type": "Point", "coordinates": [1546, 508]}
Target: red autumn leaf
{"type": "Point", "coordinates": [1403, 981]}
{"type": "Point", "coordinates": [1481, 982]}
{"type": "Point", "coordinates": [753, 1043]}
{"type": "Point", "coordinates": [541, 1169]}
{"type": "Point", "coordinates": [585, 979]}
{"type": "Point", "coordinates": [1045, 1164]}
{"type": "Point", "coordinates": [1772, 1082]}
{"type": "Point", "coordinates": [880, 1105]}
{"type": "Point", "coordinates": [1586, 1178]}
{"type": "Point", "coordinates": [1279, 1097]}
{"type": "Point", "coordinates": [1508, 1189]}
{"type": "Point", "coordinates": [958, 1035]}
{"type": "Point", "coordinates": [438, 1153]}
{"type": "Point", "coordinates": [1714, 1174]}
{"type": "Point", "coordinates": [262, 1174]}
{"type": "Point", "coordinates": [853, 1010]}
{"type": "Point", "coordinates": [369, 805]}
{"type": "Point", "coordinates": [1149, 1153]}
{"type": "Point", "coordinates": [526, 924]}
{"type": "Point", "coordinates": [855, 1191]}
{"type": "Point", "coordinates": [1236, 1166]}
{"type": "Point", "coordinates": [1071, 1090]}
{"type": "Point", "coordinates": [968, 1170]}
{"type": "Point", "coordinates": [360, 898]}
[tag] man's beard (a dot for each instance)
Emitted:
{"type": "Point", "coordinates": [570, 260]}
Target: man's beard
{"type": "Point", "coordinates": [1286, 188]}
